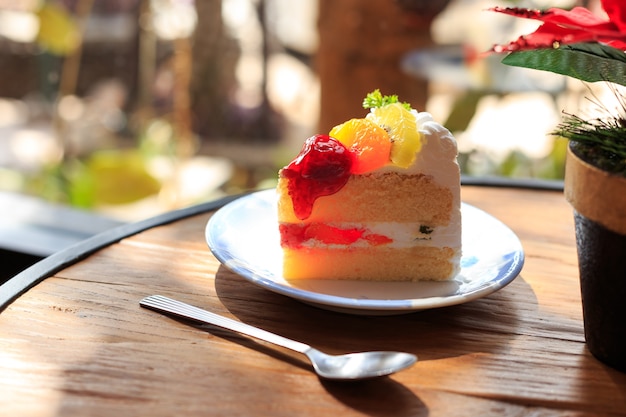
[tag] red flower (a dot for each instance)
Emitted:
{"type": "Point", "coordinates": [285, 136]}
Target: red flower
{"type": "Point", "coordinates": [567, 27]}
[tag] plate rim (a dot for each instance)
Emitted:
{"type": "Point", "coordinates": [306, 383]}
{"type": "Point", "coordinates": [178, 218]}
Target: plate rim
{"type": "Point", "coordinates": [351, 304]}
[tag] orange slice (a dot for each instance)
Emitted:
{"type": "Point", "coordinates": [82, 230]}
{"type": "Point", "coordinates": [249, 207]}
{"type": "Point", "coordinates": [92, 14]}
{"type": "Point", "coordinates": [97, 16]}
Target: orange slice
{"type": "Point", "coordinates": [370, 143]}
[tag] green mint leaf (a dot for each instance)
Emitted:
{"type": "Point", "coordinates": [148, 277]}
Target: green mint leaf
{"type": "Point", "coordinates": [376, 99]}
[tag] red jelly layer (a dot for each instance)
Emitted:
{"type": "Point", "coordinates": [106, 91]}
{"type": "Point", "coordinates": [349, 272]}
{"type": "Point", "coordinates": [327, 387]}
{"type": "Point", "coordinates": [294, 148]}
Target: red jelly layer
{"type": "Point", "coordinates": [294, 235]}
{"type": "Point", "coordinates": [322, 167]}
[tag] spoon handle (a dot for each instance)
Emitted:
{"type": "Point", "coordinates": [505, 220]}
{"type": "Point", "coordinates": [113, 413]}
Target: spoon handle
{"type": "Point", "coordinates": [177, 308]}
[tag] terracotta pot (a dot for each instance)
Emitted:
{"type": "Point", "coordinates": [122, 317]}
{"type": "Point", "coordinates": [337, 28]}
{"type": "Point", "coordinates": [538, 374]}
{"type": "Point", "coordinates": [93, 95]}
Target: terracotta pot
{"type": "Point", "coordinates": [599, 202]}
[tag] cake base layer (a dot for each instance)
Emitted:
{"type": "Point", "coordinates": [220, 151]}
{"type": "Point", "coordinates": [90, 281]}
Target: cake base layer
{"type": "Point", "coordinates": [372, 264]}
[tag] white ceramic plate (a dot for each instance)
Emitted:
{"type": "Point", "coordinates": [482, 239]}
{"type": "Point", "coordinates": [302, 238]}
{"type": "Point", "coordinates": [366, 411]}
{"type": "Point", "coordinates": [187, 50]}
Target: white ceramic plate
{"type": "Point", "coordinates": [243, 235]}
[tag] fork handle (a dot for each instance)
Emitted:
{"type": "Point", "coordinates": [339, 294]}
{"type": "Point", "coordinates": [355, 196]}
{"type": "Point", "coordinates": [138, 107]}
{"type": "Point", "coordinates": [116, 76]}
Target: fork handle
{"type": "Point", "coordinates": [163, 304]}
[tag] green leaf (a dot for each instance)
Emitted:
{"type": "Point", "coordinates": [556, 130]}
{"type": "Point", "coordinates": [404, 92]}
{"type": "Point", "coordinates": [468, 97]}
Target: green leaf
{"type": "Point", "coordinates": [376, 99]}
{"type": "Point", "coordinates": [590, 62]}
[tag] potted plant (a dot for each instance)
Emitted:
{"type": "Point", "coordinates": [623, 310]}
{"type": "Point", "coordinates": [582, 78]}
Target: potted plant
{"type": "Point", "coordinates": [590, 48]}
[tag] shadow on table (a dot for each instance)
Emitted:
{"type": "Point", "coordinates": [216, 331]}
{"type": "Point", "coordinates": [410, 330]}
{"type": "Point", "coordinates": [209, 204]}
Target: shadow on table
{"type": "Point", "coordinates": [431, 334]}
{"type": "Point", "coordinates": [379, 396]}
{"type": "Point", "coordinates": [486, 325]}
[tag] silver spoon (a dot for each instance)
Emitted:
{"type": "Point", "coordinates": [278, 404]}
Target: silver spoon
{"type": "Point", "coordinates": [351, 366]}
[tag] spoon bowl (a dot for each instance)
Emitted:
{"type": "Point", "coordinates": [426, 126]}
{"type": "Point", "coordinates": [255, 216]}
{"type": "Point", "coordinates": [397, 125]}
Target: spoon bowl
{"type": "Point", "coordinates": [360, 365]}
{"type": "Point", "coordinates": [351, 366]}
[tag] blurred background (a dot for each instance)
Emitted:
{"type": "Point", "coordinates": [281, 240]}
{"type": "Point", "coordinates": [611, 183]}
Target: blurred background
{"type": "Point", "coordinates": [129, 108]}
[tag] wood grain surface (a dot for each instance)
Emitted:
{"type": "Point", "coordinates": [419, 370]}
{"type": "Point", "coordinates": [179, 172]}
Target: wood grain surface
{"type": "Point", "coordinates": [78, 344]}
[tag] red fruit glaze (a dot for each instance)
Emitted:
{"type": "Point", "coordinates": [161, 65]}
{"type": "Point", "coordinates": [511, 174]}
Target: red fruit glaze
{"type": "Point", "coordinates": [332, 235]}
{"type": "Point", "coordinates": [322, 167]}
{"type": "Point", "coordinates": [294, 235]}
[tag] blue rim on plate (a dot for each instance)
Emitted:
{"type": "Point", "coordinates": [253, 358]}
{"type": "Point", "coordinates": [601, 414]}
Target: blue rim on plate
{"type": "Point", "coordinates": [243, 236]}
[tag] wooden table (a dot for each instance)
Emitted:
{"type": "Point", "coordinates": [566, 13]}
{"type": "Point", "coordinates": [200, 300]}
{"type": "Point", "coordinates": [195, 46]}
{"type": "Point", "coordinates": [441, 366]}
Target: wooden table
{"type": "Point", "coordinates": [78, 344]}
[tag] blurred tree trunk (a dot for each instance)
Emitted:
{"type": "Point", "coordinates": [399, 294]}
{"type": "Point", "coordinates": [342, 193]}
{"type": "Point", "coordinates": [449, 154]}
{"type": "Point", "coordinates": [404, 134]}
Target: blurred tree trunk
{"type": "Point", "coordinates": [215, 56]}
{"type": "Point", "coordinates": [361, 46]}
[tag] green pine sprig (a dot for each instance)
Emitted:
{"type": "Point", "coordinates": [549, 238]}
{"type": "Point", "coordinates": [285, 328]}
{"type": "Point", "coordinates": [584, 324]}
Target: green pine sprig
{"type": "Point", "coordinates": [377, 99]}
{"type": "Point", "coordinates": [600, 140]}
{"type": "Point", "coordinates": [606, 134]}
